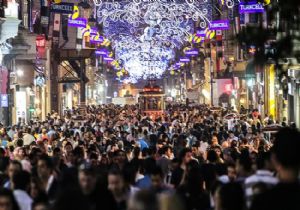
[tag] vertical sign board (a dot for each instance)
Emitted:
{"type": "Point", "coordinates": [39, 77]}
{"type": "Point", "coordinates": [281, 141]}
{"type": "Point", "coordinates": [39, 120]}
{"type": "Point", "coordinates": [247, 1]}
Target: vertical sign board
{"type": "Point", "coordinates": [4, 100]}
{"type": "Point", "coordinates": [20, 105]}
{"type": "Point", "coordinates": [56, 29]}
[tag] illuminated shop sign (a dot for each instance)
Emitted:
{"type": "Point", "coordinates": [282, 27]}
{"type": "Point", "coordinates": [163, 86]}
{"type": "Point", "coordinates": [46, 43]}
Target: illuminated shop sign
{"type": "Point", "coordinates": [108, 59]}
{"type": "Point", "coordinates": [79, 22]}
{"type": "Point", "coordinates": [65, 8]}
{"type": "Point", "coordinates": [251, 8]}
{"type": "Point", "coordinates": [101, 52]}
{"type": "Point", "coordinates": [191, 52]}
{"type": "Point", "coordinates": [185, 60]}
{"type": "Point", "coordinates": [219, 25]}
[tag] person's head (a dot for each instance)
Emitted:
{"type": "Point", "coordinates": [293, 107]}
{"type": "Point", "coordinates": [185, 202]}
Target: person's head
{"type": "Point", "coordinates": [68, 148]}
{"type": "Point", "coordinates": [185, 156]}
{"type": "Point", "coordinates": [157, 177]}
{"type": "Point", "coordinates": [7, 200]}
{"type": "Point", "coordinates": [231, 172]}
{"type": "Point", "coordinates": [167, 151]}
{"type": "Point", "coordinates": [87, 179]}
{"type": "Point", "coordinates": [212, 156]}
{"type": "Point", "coordinates": [21, 180]}
{"type": "Point", "coordinates": [285, 154]}
{"type": "Point", "coordinates": [35, 187]}
{"type": "Point", "coordinates": [244, 164]}
{"type": "Point", "coordinates": [218, 151]}
{"type": "Point", "coordinates": [214, 141]}
{"type": "Point", "coordinates": [230, 197]}
{"type": "Point", "coordinates": [13, 168]}
{"type": "Point", "coordinates": [57, 152]}
{"type": "Point", "coordinates": [143, 200]}
{"type": "Point", "coordinates": [21, 153]}
{"type": "Point", "coordinates": [116, 182]}
{"type": "Point", "coordinates": [263, 161]}
{"type": "Point", "coordinates": [44, 167]}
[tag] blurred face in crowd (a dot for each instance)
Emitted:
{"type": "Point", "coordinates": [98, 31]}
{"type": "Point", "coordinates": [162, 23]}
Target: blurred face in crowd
{"type": "Point", "coordinates": [231, 173]}
{"type": "Point", "coordinates": [156, 181]}
{"type": "Point", "coordinates": [214, 140]}
{"type": "Point", "coordinates": [21, 153]}
{"type": "Point", "coordinates": [218, 151]}
{"type": "Point", "coordinates": [169, 153]}
{"type": "Point", "coordinates": [116, 184]}
{"type": "Point", "coordinates": [40, 206]}
{"type": "Point", "coordinates": [68, 149]}
{"type": "Point", "coordinates": [87, 182]}
{"type": "Point", "coordinates": [6, 203]}
{"type": "Point", "coordinates": [13, 169]}
{"type": "Point", "coordinates": [187, 158]}
{"type": "Point", "coordinates": [43, 170]}
{"type": "Point", "coordinates": [34, 191]}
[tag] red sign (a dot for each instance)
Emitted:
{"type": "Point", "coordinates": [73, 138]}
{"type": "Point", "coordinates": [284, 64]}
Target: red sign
{"type": "Point", "coordinates": [4, 79]}
{"type": "Point", "coordinates": [40, 41]}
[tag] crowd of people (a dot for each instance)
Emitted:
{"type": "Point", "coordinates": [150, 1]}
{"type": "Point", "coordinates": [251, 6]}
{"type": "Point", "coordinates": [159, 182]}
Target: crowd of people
{"type": "Point", "coordinates": [116, 158]}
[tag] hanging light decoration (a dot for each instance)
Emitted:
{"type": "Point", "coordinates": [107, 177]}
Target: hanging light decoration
{"type": "Point", "coordinates": [145, 34]}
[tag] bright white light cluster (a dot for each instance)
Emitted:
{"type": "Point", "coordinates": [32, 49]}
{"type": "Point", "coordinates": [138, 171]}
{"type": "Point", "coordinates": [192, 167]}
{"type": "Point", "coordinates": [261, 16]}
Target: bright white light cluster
{"type": "Point", "coordinates": [143, 59]}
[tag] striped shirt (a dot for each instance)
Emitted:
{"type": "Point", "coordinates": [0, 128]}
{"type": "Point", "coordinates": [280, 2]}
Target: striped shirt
{"type": "Point", "coordinates": [261, 176]}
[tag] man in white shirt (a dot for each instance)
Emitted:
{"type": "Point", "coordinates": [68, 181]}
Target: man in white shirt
{"type": "Point", "coordinates": [263, 175]}
{"type": "Point", "coordinates": [21, 184]}
{"type": "Point", "coordinates": [45, 169]}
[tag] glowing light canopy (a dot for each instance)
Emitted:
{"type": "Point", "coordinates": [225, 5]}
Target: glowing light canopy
{"type": "Point", "coordinates": [146, 33]}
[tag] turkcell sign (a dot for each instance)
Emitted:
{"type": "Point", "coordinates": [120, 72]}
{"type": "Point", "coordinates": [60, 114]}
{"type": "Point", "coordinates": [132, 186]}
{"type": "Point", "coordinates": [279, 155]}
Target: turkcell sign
{"type": "Point", "coordinates": [219, 25]}
{"type": "Point", "coordinates": [191, 52]}
{"type": "Point", "coordinates": [78, 22]}
{"type": "Point", "coordinates": [251, 8]}
{"type": "Point", "coordinates": [64, 8]}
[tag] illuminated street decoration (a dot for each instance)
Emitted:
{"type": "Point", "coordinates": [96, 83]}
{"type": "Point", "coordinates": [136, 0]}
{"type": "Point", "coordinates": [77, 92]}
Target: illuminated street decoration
{"type": "Point", "coordinates": [145, 34]}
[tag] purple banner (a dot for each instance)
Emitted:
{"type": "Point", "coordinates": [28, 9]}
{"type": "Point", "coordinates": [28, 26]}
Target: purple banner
{"type": "Point", "coordinates": [191, 52]}
{"type": "Point", "coordinates": [219, 25]}
{"type": "Point", "coordinates": [78, 22]}
{"type": "Point", "coordinates": [101, 52]}
{"type": "Point", "coordinates": [108, 59]}
{"type": "Point", "coordinates": [185, 60]}
{"type": "Point", "coordinates": [251, 8]}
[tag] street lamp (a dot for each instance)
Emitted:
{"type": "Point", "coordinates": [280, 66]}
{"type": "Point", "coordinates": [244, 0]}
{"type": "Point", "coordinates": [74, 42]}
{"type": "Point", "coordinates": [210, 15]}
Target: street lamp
{"type": "Point", "coordinates": [20, 73]}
